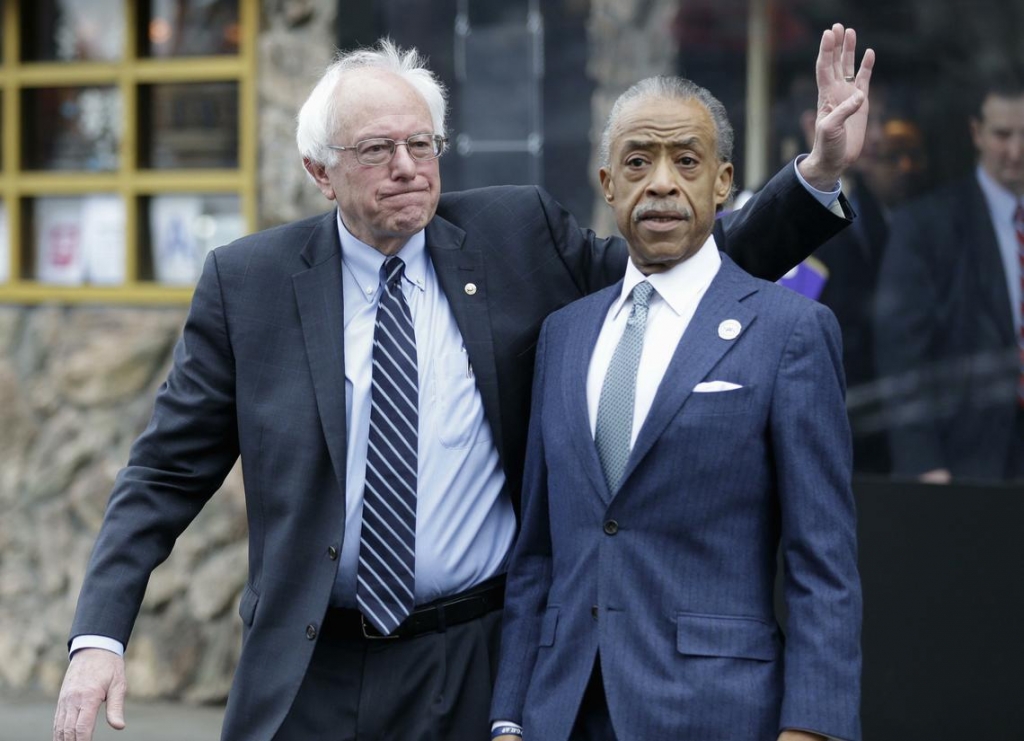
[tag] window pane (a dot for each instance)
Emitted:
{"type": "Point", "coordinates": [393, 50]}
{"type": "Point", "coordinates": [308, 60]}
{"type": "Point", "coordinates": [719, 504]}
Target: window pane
{"type": "Point", "coordinates": [179, 28]}
{"type": "Point", "coordinates": [79, 239]}
{"type": "Point", "coordinates": [71, 128]}
{"type": "Point", "coordinates": [189, 125]}
{"type": "Point", "coordinates": [72, 30]}
{"type": "Point", "coordinates": [183, 228]}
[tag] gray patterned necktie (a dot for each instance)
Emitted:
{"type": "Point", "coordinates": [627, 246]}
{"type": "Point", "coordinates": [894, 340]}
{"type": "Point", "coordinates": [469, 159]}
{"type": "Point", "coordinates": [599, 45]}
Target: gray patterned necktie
{"type": "Point", "coordinates": [615, 407]}
{"type": "Point", "coordinates": [387, 541]}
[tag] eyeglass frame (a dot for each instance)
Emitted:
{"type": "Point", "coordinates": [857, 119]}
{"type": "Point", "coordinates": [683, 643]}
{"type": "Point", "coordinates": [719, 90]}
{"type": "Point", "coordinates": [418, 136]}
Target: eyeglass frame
{"type": "Point", "coordinates": [440, 144]}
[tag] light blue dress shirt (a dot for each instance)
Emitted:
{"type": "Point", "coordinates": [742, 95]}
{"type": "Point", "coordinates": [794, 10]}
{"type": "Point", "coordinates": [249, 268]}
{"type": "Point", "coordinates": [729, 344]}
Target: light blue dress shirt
{"type": "Point", "coordinates": [465, 524]}
{"type": "Point", "coordinates": [1001, 206]}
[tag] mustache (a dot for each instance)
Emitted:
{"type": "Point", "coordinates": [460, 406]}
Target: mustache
{"type": "Point", "coordinates": [662, 209]}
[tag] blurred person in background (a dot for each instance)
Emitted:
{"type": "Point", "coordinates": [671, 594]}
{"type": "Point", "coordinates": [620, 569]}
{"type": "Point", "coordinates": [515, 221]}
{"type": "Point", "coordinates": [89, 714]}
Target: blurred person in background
{"type": "Point", "coordinates": [843, 273]}
{"type": "Point", "coordinates": [948, 319]}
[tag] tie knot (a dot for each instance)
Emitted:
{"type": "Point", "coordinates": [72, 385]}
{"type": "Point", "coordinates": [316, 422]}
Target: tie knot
{"type": "Point", "coordinates": [642, 294]}
{"type": "Point", "coordinates": [391, 270]}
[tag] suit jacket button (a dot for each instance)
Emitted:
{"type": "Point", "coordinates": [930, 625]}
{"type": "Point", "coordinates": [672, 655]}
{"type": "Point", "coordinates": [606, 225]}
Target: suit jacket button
{"type": "Point", "coordinates": [311, 631]}
{"type": "Point", "coordinates": [611, 527]}
{"type": "Point", "coordinates": [332, 553]}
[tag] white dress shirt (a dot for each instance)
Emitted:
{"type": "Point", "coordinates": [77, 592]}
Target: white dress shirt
{"type": "Point", "coordinates": [676, 294]}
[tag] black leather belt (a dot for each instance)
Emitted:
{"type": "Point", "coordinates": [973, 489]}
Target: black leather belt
{"type": "Point", "coordinates": [434, 617]}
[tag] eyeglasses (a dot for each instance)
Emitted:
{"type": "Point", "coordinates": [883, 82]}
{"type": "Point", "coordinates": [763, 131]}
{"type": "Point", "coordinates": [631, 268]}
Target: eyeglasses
{"type": "Point", "coordinates": [371, 152]}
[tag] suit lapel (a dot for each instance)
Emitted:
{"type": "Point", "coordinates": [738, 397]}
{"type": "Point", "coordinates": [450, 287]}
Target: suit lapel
{"type": "Point", "coordinates": [321, 312]}
{"type": "Point", "coordinates": [699, 350]}
{"type": "Point", "coordinates": [579, 349]}
{"type": "Point", "coordinates": [461, 274]}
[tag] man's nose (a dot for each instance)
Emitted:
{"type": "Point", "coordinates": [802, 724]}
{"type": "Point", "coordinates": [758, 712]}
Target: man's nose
{"type": "Point", "coordinates": [664, 179]}
{"type": "Point", "coordinates": [402, 163]}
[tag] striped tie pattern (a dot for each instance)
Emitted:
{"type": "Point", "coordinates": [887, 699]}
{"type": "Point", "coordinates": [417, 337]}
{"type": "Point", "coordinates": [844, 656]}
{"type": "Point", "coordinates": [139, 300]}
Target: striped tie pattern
{"type": "Point", "coordinates": [1018, 223]}
{"type": "Point", "coordinates": [614, 427]}
{"type": "Point", "coordinates": [387, 541]}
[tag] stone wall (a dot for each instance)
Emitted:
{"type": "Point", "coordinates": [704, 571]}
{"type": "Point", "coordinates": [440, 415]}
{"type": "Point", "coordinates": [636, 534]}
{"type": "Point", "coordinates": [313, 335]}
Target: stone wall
{"type": "Point", "coordinates": [77, 386]}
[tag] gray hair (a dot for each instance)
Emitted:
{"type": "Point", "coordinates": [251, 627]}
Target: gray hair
{"type": "Point", "coordinates": [318, 118]}
{"type": "Point", "coordinates": [672, 88]}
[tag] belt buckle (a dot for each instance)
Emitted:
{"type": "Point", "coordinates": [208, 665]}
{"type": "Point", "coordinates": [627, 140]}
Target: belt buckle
{"type": "Point", "coordinates": [376, 635]}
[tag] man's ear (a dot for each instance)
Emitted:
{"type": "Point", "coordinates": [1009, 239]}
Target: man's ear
{"type": "Point", "coordinates": [318, 173]}
{"type": "Point", "coordinates": [723, 183]}
{"type": "Point", "coordinates": [607, 186]}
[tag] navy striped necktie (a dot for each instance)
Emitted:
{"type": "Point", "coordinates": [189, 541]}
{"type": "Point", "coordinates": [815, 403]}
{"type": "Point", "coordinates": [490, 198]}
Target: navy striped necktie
{"type": "Point", "coordinates": [387, 541]}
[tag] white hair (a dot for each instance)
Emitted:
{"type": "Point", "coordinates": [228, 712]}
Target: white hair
{"type": "Point", "coordinates": [318, 118]}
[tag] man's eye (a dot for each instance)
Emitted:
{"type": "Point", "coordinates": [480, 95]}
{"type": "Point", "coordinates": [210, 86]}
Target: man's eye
{"type": "Point", "coordinates": [687, 161]}
{"type": "Point", "coordinates": [635, 162]}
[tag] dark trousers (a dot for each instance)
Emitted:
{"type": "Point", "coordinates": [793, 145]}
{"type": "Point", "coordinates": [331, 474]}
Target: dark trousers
{"type": "Point", "coordinates": [433, 687]}
{"type": "Point", "coordinates": [593, 722]}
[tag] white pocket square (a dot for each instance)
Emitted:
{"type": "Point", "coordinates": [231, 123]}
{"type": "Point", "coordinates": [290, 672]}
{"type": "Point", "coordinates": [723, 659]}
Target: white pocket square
{"type": "Point", "coordinates": [711, 386]}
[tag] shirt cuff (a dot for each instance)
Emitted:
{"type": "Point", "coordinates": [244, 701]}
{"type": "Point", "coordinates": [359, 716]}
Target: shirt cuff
{"type": "Point", "coordinates": [91, 641]}
{"type": "Point", "coordinates": [499, 723]}
{"type": "Point", "coordinates": [828, 199]}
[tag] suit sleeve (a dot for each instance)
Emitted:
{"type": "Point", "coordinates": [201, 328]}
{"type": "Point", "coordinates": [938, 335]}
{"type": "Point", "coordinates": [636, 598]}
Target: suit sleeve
{"type": "Point", "coordinates": [811, 443]}
{"type": "Point", "coordinates": [174, 467]}
{"type": "Point", "coordinates": [906, 323]}
{"type": "Point", "coordinates": [778, 227]}
{"type": "Point", "coordinates": [529, 574]}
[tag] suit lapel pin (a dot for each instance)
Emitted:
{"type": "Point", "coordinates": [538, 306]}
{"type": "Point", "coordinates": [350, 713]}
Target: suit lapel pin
{"type": "Point", "coordinates": [471, 289]}
{"type": "Point", "coordinates": [729, 329]}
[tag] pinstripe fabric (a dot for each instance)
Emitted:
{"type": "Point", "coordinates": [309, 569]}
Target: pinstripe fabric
{"type": "Point", "coordinates": [387, 542]}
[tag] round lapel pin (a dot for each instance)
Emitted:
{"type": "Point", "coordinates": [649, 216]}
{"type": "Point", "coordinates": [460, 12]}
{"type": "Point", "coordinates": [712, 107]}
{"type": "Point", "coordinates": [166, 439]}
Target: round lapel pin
{"type": "Point", "coordinates": [729, 329]}
{"type": "Point", "coordinates": [471, 289]}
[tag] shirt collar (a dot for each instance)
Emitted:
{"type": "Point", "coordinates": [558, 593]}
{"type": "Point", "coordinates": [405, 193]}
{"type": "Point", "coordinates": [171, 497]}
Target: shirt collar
{"type": "Point", "coordinates": [679, 284]}
{"type": "Point", "coordinates": [1001, 202]}
{"type": "Point", "coordinates": [363, 262]}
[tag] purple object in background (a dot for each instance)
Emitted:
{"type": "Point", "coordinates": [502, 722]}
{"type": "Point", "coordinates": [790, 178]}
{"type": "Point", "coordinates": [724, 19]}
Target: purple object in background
{"type": "Point", "coordinates": [808, 278]}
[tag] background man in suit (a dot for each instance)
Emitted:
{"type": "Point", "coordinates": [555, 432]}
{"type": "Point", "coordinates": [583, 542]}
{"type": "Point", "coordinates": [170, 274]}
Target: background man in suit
{"type": "Point", "coordinates": [686, 423]}
{"type": "Point", "coordinates": [948, 322]}
{"type": "Point", "coordinates": [372, 369]}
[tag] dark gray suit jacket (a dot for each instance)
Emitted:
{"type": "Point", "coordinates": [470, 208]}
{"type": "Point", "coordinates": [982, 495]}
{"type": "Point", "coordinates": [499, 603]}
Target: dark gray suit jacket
{"type": "Point", "coordinates": [946, 349]}
{"type": "Point", "coordinates": [259, 373]}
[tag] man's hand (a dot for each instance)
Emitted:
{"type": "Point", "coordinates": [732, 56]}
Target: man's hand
{"type": "Point", "coordinates": [800, 736]}
{"type": "Point", "coordinates": [94, 676]}
{"type": "Point", "coordinates": [936, 476]}
{"type": "Point", "coordinates": [842, 108]}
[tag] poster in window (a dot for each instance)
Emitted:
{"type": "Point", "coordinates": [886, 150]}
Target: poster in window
{"type": "Point", "coordinates": [172, 223]}
{"type": "Point", "coordinates": [58, 240]}
{"type": "Point", "coordinates": [103, 239]}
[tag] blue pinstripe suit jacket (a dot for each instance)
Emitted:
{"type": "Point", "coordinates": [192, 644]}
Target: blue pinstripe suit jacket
{"type": "Point", "coordinates": [677, 595]}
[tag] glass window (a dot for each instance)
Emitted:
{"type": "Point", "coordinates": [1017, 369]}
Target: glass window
{"type": "Point", "coordinates": [189, 125]}
{"type": "Point", "coordinates": [79, 239]}
{"type": "Point", "coordinates": [179, 28]}
{"type": "Point", "coordinates": [71, 128]}
{"type": "Point", "coordinates": [72, 30]}
{"type": "Point", "coordinates": [183, 228]}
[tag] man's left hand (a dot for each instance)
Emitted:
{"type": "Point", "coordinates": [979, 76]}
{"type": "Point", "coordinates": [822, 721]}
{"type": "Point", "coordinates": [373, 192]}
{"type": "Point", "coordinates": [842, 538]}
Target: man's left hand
{"type": "Point", "coordinates": [800, 736]}
{"type": "Point", "coordinates": [842, 108]}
